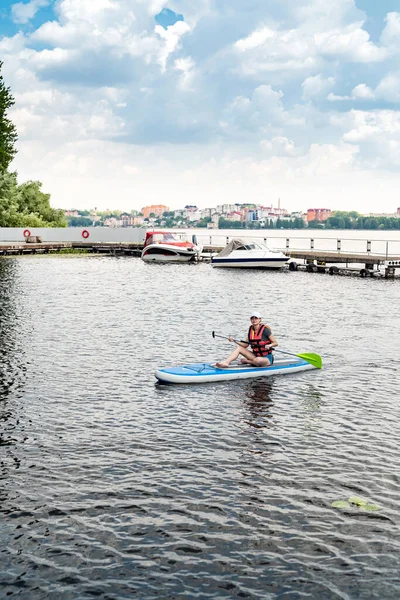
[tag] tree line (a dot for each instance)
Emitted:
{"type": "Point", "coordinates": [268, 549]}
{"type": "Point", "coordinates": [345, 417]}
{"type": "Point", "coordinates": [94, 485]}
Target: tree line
{"type": "Point", "coordinates": [21, 205]}
{"type": "Point", "coordinates": [353, 220]}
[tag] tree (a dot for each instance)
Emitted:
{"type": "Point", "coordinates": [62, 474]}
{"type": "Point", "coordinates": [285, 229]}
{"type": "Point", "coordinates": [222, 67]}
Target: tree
{"type": "Point", "coordinates": [34, 202]}
{"type": "Point", "coordinates": [79, 222]}
{"type": "Point", "coordinates": [315, 224]}
{"type": "Point", "coordinates": [8, 199]}
{"type": "Point", "coordinates": [8, 132]}
{"type": "Point", "coordinates": [26, 205]}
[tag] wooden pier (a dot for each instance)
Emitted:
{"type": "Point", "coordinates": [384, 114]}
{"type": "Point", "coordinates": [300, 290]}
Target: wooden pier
{"type": "Point", "coordinates": [108, 248]}
{"type": "Point", "coordinates": [313, 261]}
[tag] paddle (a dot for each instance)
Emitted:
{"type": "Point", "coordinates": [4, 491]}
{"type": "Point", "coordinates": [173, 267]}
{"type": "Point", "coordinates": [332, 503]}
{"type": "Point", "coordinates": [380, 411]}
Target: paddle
{"type": "Point", "coordinates": [314, 359]}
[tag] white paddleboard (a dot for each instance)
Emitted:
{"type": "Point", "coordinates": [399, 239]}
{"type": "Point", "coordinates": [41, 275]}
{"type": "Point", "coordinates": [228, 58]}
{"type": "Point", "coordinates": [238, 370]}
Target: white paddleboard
{"type": "Point", "coordinates": [208, 372]}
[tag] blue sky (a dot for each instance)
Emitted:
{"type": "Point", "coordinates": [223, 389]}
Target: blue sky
{"type": "Point", "coordinates": [128, 102]}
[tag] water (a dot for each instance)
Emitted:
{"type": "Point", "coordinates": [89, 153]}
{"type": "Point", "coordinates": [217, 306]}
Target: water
{"type": "Point", "coordinates": [114, 487]}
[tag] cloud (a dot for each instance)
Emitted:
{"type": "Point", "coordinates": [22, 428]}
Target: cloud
{"type": "Point", "coordinates": [316, 86]}
{"type": "Point", "coordinates": [390, 36]}
{"type": "Point", "coordinates": [350, 43]}
{"type": "Point", "coordinates": [377, 136]}
{"type": "Point", "coordinates": [363, 92]}
{"type": "Point", "coordinates": [261, 114]}
{"type": "Point", "coordinates": [267, 50]}
{"type": "Point", "coordinates": [22, 13]}
{"type": "Point", "coordinates": [274, 90]}
{"type": "Point", "coordinates": [279, 146]}
{"type": "Point", "coordinates": [389, 87]}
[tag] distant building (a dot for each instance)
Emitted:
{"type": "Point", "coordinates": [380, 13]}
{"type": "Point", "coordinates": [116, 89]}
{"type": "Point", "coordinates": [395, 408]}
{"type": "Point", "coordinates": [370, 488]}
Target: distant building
{"type": "Point", "coordinates": [112, 222]}
{"type": "Point", "coordinates": [192, 213]}
{"type": "Point", "coordinates": [225, 209]}
{"type": "Point", "coordinates": [251, 215]}
{"type": "Point", "coordinates": [318, 214]}
{"type": "Point", "coordinates": [214, 221]}
{"type": "Point", "coordinates": [234, 216]}
{"type": "Point", "coordinates": [127, 220]}
{"type": "Point", "coordinates": [205, 213]}
{"type": "Point", "coordinates": [71, 213]}
{"type": "Point", "coordinates": [156, 209]}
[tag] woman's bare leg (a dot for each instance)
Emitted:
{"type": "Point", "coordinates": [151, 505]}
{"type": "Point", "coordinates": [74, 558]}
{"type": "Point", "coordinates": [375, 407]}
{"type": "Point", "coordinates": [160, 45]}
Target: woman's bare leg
{"type": "Point", "coordinates": [231, 357]}
{"type": "Point", "coordinates": [257, 361]}
{"type": "Point", "coordinates": [249, 358]}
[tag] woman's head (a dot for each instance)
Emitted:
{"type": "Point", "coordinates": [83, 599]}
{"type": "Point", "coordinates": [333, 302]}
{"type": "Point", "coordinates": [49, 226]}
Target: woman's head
{"type": "Point", "coordinates": [255, 318]}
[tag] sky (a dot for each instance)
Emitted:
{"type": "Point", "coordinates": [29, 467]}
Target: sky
{"type": "Point", "coordinates": [125, 103]}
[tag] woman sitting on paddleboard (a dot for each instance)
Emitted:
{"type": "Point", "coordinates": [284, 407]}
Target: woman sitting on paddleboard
{"type": "Point", "coordinates": [261, 341]}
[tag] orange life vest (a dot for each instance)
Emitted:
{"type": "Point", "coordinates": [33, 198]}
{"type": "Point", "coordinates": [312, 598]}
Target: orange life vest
{"type": "Point", "coordinates": [257, 343]}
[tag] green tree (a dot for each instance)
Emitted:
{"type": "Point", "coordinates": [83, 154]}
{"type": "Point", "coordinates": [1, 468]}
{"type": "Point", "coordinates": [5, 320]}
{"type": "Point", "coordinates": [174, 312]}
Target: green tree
{"type": "Point", "coordinates": [35, 204]}
{"type": "Point", "coordinates": [79, 222]}
{"type": "Point", "coordinates": [203, 222]}
{"type": "Point", "coordinates": [8, 132]}
{"type": "Point", "coordinates": [315, 225]}
{"type": "Point", "coordinates": [8, 199]}
{"type": "Point", "coordinates": [26, 205]}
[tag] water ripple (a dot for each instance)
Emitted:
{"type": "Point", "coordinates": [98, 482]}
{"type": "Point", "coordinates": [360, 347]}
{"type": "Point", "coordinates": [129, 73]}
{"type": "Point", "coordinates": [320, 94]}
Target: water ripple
{"type": "Point", "coordinates": [114, 487]}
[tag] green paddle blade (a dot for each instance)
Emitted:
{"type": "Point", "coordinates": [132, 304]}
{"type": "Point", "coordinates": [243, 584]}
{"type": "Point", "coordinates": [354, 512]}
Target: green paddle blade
{"type": "Point", "coordinates": [314, 359]}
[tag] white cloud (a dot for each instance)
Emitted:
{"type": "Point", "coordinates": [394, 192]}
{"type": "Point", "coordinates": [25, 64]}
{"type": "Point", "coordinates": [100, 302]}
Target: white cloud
{"type": "Point", "coordinates": [363, 92]}
{"type": "Point", "coordinates": [261, 114]}
{"type": "Point", "coordinates": [279, 146]}
{"type": "Point", "coordinates": [22, 13]}
{"type": "Point", "coordinates": [389, 87]}
{"type": "Point", "coordinates": [337, 98]}
{"type": "Point", "coordinates": [266, 50]}
{"type": "Point", "coordinates": [256, 39]}
{"type": "Point", "coordinates": [172, 36]}
{"type": "Point", "coordinates": [238, 99]}
{"type": "Point", "coordinates": [316, 86]}
{"type": "Point", "coordinates": [350, 43]}
{"type": "Point", "coordinates": [390, 36]}
{"type": "Point", "coordinates": [377, 136]}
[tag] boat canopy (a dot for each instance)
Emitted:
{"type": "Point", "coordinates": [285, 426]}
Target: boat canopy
{"type": "Point", "coordinates": [238, 244]}
{"type": "Point", "coordinates": [153, 237]}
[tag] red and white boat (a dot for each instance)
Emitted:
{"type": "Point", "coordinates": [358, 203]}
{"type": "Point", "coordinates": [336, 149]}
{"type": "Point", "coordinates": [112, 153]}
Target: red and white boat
{"type": "Point", "coordinates": [164, 246]}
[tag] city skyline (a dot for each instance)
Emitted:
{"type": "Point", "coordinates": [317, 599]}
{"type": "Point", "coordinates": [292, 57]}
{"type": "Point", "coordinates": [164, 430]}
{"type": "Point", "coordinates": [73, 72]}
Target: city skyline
{"type": "Point", "coordinates": [128, 103]}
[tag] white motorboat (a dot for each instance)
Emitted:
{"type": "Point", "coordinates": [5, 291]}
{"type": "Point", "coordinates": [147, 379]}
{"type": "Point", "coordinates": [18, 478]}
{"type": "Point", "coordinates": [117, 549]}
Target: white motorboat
{"type": "Point", "coordinates": [239, 253]}
{"type": "Point", "coordinates": [163, 246]}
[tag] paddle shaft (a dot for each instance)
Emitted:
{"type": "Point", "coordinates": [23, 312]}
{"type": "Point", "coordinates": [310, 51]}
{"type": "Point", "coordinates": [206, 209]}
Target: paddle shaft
{"type": "Point", "coordinates": [224, 337]}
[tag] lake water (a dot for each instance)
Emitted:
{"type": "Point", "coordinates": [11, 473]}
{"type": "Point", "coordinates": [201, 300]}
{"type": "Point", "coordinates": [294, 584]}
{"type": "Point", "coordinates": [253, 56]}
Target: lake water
{"type": "Point", "coordinates": [114, 487]}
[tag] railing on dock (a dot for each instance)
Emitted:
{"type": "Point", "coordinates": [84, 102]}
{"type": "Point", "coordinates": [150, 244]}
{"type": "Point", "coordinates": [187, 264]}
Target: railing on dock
{"type": "Point", "coordinates": [384, 248]}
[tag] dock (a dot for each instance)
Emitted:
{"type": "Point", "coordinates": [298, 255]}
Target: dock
{"type": "Point", "coordinates": [365, 264]}
{"type": "Point", "coordinates": [107, 248]}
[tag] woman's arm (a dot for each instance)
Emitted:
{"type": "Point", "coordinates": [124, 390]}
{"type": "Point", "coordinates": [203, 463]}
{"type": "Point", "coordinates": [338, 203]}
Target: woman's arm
{"type": "Point", "coordinates": [241, 343]}
{"type": "Point", "coordinates": [273, 340]}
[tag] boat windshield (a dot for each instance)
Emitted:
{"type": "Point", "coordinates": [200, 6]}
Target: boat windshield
{"type": "Point", "coordinates": [253, 246]}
